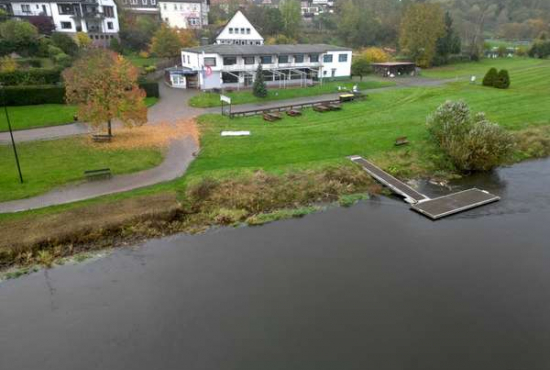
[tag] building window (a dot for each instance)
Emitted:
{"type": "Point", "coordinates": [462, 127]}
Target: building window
{"type": "Point", "coordinates": [314, 58]}
{"type": "Point", "coordinates": [248, 31]}
{"type": "Point", "coordinates": [110, 25]}
{"type": "Point", "coordinates": [175, 6]}
{"type": "Point", "coordinates": [66, 25]}
{"type": "Point", "coordinates": [65, 9]}
{"type": "Point", "coordinates": [164, 6]}
{"type": "Point", "coordinates": [109, 12]}
{"type": "Point", "coordinates": [342, 58]}
{"type": "Point", "coordinates": [144, 2]}
{"type": "Point", "coordinates": [230, 30]}
{"type": "Point", "coordinates": [266, 59]}
{"type": "Point", "coordinates": [25, 8]}
{"type": "Point", "coordinates": [327, 58]}
{"type": "Point", "coordinates": [209, 62]}
{"type": "Point", "coordinates": [193, 21]}
{"type": "Point", "coordinates": [153, 2]}
{"type": "Point", "coordinates": [242, 31]}
{"type": "Point", "coordinates": [248, 60]}
{"type": "Point", "coordinates": [229, 61]}
{"type": "Point", "coordinates": [283, 59]}
{"type": "Point", "coordinates": [299, 58]}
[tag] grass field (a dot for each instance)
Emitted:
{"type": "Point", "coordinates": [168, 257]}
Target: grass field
{"type": "Point", "coordinates": [141, 62]}
{"type": "Point", "coordinates": [32, 116]}
{"type": "Point", "coordinates": [366, 128]}
{"type": "Point", "coordinates": [47, 164]}
{"type": "Point", "coordinates": [369, 128]}
{"type": "Point", "coordinates": [479, 69]}
{"type": "Point", "coordinates": [205, 100]}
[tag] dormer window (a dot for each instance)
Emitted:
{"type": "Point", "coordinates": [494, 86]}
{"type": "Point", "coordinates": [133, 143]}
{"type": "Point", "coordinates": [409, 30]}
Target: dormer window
{"type": "Point", "coordinates": [230, 30]}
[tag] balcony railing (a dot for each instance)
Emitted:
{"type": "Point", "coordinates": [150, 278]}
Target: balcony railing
{"type": "Point", "coordinates": [253, 67]}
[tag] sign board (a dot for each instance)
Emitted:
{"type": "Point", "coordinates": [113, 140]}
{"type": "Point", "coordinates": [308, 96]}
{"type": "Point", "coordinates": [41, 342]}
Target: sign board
{"type": "Point", "coordinates": [225, 99]}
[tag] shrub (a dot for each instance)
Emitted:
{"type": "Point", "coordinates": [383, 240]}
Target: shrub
{"type": "Point", "coordinates": [83, 40]}
{"type": "Point", "coordinates": [36, 76]}
{"type": "Point", "coordinates": [115, 45]}
{"type": "Point", "coordinates": [34, 95]}
{"type": "Point", "coordinates": [503, 80]}
{"type": "Point", "coordinates": [150, 69]}
{"type": "Point", "coordinates": [144, 54]}
{"type": "Point", "coordinates": [54, 50]}
{"type": "Point", "coordinates": [490, 77]}
{"type": "Point", "coordinates": [65, 43]}
{"type": "Point", "coordinates": [7, 64]}
{"type": "Point", "coordinates": [471, 142]}
{"type": "Point", "coordinates": [63, 60]}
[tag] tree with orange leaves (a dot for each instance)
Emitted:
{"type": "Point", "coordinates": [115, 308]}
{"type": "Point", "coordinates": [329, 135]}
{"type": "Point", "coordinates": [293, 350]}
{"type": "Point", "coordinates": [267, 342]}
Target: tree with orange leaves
{"type": "Point", "coordinates": [104, 86]}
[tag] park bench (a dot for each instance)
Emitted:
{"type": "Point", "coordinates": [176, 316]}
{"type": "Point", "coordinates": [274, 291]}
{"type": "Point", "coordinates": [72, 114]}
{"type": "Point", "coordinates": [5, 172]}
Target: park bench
{"type": "Point", "coordinates": [103, 173]}
{"type": "Point", "coordinates": [334, 106]}
{"type": "Point", "coordinates": [272, 117]}
{"type": "Point", "coordinates": [293, 112]}
{"type": "Point", "coordinates": [101, 138]}
{"type": "Point", "coordinates": [321, 108]}
{"type": "Point", "coordinates": [401, 141]}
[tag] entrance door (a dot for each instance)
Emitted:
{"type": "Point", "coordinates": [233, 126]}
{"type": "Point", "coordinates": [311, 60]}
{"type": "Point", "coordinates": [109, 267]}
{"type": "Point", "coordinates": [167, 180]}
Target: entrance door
{"type": "Point", "coordinates": [247, 80]}
{"type": "Point", "coordinates": [333, 72]}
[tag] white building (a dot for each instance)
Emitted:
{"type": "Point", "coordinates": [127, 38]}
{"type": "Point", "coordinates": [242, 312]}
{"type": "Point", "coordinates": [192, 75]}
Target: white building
{"type": "Point", "coordinates": [184, 13]}
{"type": "Point", "coordinates": [97, 18]}
{"type": "Point", "coordinates": [239, 31]}
{"type": "Point", "coordinates": [234, 66]}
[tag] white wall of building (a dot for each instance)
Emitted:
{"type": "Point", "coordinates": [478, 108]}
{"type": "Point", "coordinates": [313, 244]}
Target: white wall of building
{"type": "Point", "coordinates": [239, 31]}
{"type": "Point", "coordinates": [184, 15]}
{"type": "Point", "coordinates": [337, 67]}
{"type": "Point", "coordinates": [68, 22]}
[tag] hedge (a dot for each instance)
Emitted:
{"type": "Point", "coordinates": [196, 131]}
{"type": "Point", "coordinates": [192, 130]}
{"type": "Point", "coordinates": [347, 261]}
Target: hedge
{"type": "Point", "coordinates": [35, 76]}
{"type": "Point", "coordinates": [52, 94]}
{"type": "Point", "coordinates": [151, 89]}
{"type": "Point", "coordinates": [34, 95]}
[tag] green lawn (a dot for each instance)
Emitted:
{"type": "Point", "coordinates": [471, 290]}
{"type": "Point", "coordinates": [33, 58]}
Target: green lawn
{"type": "Point", "coordinates": [32, 116]}
{"type": "Point", "coordinates": [48, 164]}
{"type": "Point", "coordinates": [367, 128]}
{"type": "Point", "coordinates": [479, 69]}
{"type": "Point", "coordinates": [205, 100]}
{"type": "Point", "coordinates": [141, 62]}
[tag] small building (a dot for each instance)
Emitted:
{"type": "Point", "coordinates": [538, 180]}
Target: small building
{"type": "Point", "coordinates": [395, 69]}
{"type": "Point", "coordinates": [239, 31]}
{"type": "Point", "coordinates": [99, 19]}
{"type": "Point", "coordinates": [222, 66]}
{"type": "Point", "coordinates": [184, 13]}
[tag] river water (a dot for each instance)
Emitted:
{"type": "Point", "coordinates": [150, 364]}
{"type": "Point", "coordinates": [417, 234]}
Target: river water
{"type": "Point", "coordinates": [375, 286]}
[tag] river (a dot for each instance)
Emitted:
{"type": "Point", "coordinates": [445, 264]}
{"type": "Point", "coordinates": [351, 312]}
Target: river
{"type": "Point", "coordinates": [374, 286]}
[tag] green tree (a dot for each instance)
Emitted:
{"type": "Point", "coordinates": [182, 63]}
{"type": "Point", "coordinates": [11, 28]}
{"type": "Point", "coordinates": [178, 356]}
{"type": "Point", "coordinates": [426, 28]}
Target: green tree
{"type": "Point", "coordinates": [292, 17]}
{"type": "Point", "coordinates": [448, 44]}
{"type": "Point", "coordinates": [19, 33]}
{"type": "Point", "coordinates": [272, 22]}
{"type": "Point", "coordinates": [357, 26]}
{"type": "Point", "coordinates": [490, 78]}
{"type": "Point", "coordinates": [104, 86]}
{"type": "Point", "coordinates": [422, 25]}
{"type": "Point", "coordinates": [360, 67]}
{"type": "Point", "coordinates": [259, 88]}
{"type": "Point", "coordinates": [166, 42]}
{"type": "Point", "coordinates": [136, 30]}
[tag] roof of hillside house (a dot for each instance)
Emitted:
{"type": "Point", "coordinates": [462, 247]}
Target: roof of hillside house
{"type": "Point", "coordinates": [239, 20]}
{"type": "Point", "coordinates": [265, 49]}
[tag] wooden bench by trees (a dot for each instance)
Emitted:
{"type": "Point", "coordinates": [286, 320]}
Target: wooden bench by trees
{"type": "Point", "coordinates": [272, 117]}
{"type": "Point", "coordinates": [101, 138]}
{"type": "Point", "coordinates": [293, 112]}
{"type": "Point", "coordinates": [321, 108]}
{"type": "Point", "coordinates": [104, 173]}
{"type": "Point", "coordinates": [335, 106]}
{"type": "Point", "coordinates": [401, 141]}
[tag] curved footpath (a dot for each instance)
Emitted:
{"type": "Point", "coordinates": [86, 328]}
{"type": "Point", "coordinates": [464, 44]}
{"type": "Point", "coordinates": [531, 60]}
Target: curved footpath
{"type": "Point", "coordinates": [172, 106]}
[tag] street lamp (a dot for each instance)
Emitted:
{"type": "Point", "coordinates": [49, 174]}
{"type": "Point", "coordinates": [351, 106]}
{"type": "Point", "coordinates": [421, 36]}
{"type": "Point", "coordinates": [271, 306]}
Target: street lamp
{"type": "Point", "coordinates": [11, 132]}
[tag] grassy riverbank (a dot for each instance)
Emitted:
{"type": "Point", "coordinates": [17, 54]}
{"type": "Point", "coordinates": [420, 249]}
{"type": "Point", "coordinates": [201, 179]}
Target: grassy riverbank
{"type": "Point", "coordinates": [34, 116]}
{"type": "Point", "coordinates": [205, 100]}
{"type": "Point", "coordinates": [286, 168]}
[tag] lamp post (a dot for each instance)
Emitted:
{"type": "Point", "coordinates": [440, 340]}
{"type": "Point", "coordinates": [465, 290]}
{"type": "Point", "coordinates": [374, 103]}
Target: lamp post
{"type": "Point", "coordinates": [11, 133]}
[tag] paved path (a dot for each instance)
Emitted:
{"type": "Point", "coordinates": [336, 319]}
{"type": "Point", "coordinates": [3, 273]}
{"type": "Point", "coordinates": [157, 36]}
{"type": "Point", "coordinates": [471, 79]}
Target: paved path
{"type": "Point", "coordinates": [171, 107]}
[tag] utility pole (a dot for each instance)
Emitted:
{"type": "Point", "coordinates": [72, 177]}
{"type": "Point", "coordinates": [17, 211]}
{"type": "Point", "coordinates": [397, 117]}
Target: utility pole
{"type": "Point", "coordinates": [11, 133]}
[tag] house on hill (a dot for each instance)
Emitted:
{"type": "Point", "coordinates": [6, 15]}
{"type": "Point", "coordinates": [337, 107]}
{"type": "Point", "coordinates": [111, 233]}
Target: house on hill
{"type": "Point", "coordinates": [99, 19]}
{"type": "Point", "coordinates": [239, 31]}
